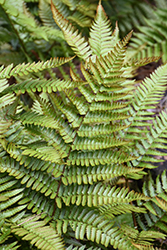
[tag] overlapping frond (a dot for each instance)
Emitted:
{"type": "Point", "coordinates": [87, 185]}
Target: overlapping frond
{"type": "Point", "coordinates": [67, 157]}
{"type": "Point", "coordinates": [150, 40]}
{"type": "Point", "coordinates": [147, 129]}
{"type": "Point", "coordinates": [96, 228]}
{"type": "Point", "coordinates": [134, 12]}
{"type": "Point", "coordinates": [80, 12]}
{"type": "Point", "coordinates": [110, 211]}
{"type": "Point", "coordinates": [156, 207]}
{"type": "Point", "coordinates": [72, 36]}
{"type": "Point", "coordinates": [42, 236]}
{"type": "Point", "coordinates": [143, 238]}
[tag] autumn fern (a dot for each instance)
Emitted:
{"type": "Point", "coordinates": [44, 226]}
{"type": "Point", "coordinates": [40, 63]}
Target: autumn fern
{"type": "Point", "coordinates": [69, 158]}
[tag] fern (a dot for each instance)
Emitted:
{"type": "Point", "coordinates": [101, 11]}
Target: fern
{"type": "Point", "coordinates": [151, 38]}
{"type": "Point", "coordinates": [45, 235]}
{"type": "Point", "coordinates": [156, 216]}
{"type": "Point", "coordinates": [66, 160]}
{"type": "Point", "coordinates": [134, 12]}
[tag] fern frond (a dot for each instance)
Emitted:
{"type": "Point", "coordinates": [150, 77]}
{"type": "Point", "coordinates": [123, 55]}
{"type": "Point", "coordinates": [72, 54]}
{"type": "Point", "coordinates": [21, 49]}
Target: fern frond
{"type": "Point", "coordinates": [96, 228]}
{"type": "Point", "coordinates": [79, 12]}
{"type": "Point", "coordinates": [94, 117]}
{"type": "Point", "coordinates": [42, 120]}
{"type": "Point", "coordinates": [96, 195]}
{"type": "Point", "coordinates": [75, 40]}
{"type": "Point", "coordinates": [152, 37]}
{"type": "Point", "coordinates": [79, 102]}
{"type": "Point", "coordinates": [156, 215]}
{"type": "Point", "coordinates": [98, 157]}
{"type": "Point", "coordinates": [38, 233]}
{"type": "Point", "coordinates": [82, 248]}
{"type": "Point", "coordinates": [14, 58]}
{"type": "Point", "coordinates": [94, 174]}
{"type": "Point", "coordinates": [110, 211]}
{"type": "Point", "coordinates": [24, 69]}
{"type": "Point", "coordinates": [41, 85]}
{"type": "Point", "coordinates": [133, 11]}
{"type": "Point", "coordinates": [87, 130]}
{"type": "Point", "coordinates": [142, 247]}
{"type": "Point", "coordinates": [143, 237]}
{"type": "Point", "coordinates": [31, 178]}
{"type": "Point", "coordinates": [100, 39]}
{"type": "Point", "coordinates": [10, 246]}
{"type": "Point", "coordinates": [45, 14]}
{"type": "Point", "coordinates": [147, 94]}
{"type": "Point", "coordinates": [44, 152]}
{"type": "Point", "coordinates": [81, 143]}
{"type": "Point", "coordinates": [63, 156]}
{"type": "Point", "coordinates": [10, 194]}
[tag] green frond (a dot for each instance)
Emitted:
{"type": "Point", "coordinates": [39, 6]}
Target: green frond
{"type": "Point", "coordinates": [14, 58]}
{"type": "Point", "coordinates": [38, 233]}
{"type": "Point", "coordinates": [82, 248]}
{"type": "Point", "coordinates": [156, 216]}
{"type": "Point", "coordinates": [87, 223]}
{"type": "Point", "coordinates": [42, 120]}
{"type": "Point", "coordinates": [10, 246]}
{"type": "Point", "coordinates": [45, 14]}
{"type": "Point", "coordinates": [146, 141]}
{"type": "Point", "coordinates": [152, 37]}
{"type": "Point", "coordinates": [10, 193]}
{"type": "Point", "coordinates": [100, 39]}
{"type": "Point", "coordinates": [162, 203]}
{"type": "Point", "coordinates": [150, 91]}
{"type": "Point", "coordinates": [79, 102]}
{"type": "Point", "coordinates": [8, 99]}
{"type": "Point", "coordinates": [73, 38]}
{"type": "Point", "coordinates": [82, 143]}
{"type": "Point", "coordinates": [80, 12]}
{"type": "Point", "coordinates": [87, 130]}
{"type": "Point", "coordinates": [142, 237]}
{"type": "Point", "coordinates": [73, 144]}
{"type": "Point", "coordinates": [98, 157]}
{"type": "Point", "coordinates": [103, 116]}
{"type": "Point", "coordinates": [80, 19]}
{"type": "Point", "coordinates": [142, 247]}
{"type": "Point", "coordinates": [24, 69]}
{"type": "Point", "coordinates": [110, 211]}
{"type": "Point", "coordinates": [97, 194]}
{"type": "Point", "coordinates": [34, 179]}
{"type": "Point", "coordinates": [134, 12]}
{"type": "Point", "coordinates": [44, 152]}
{"type": "Point", "coordinates": [106, 105]}
{"type": "Point", "coordinates": [95, 173]}
{"type": "Point", "coordinates": [41, 85]}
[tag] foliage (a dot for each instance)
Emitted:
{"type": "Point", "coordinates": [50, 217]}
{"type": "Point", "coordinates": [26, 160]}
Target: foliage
{"type": "Point", "coordinates": [28, 30]}
{"type": "Point", "coordinates": [129, 14]}
{"type": "Point", "coordinates": [151, 38]}
{"type": "Point", "coordinates": [69, 159]}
